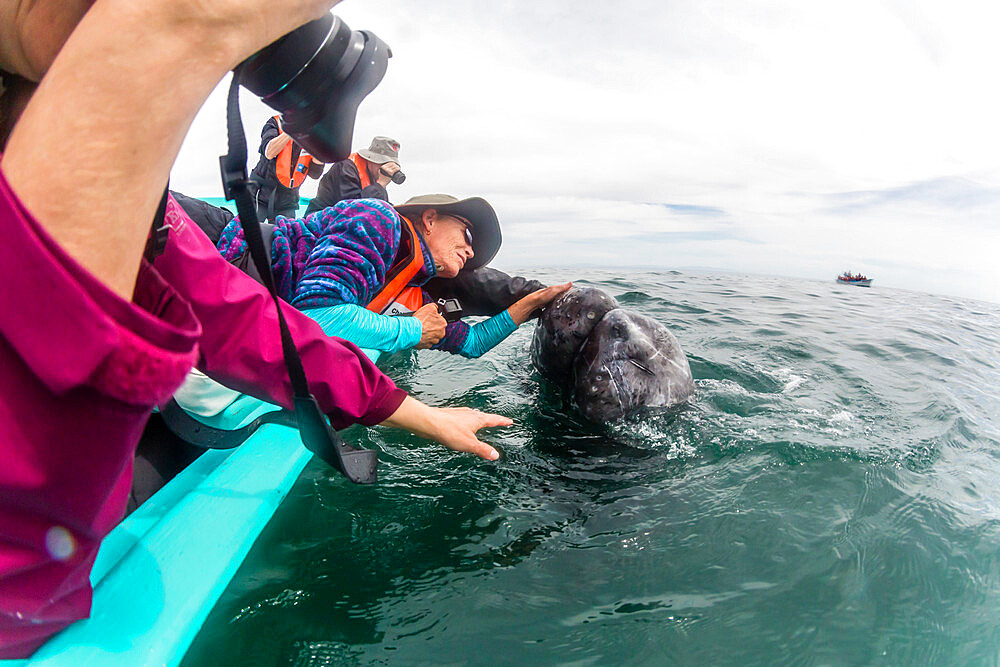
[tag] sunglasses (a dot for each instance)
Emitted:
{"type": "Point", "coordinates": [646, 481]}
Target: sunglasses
{"type": "Point", "coordinates": [468, 228]}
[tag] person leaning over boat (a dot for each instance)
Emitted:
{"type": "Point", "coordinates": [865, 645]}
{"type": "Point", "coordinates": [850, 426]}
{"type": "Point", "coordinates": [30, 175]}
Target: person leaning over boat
{"type": "Point", "coordinates": [280, 172]}
{"type": "Point", "coordinates": [365, 174]}
{"type": "Point", "coordinates": [483, 291]}
{"type": "Point", "coordinates": [351, 267]}
{"type": "Point", "coordinates": [92, 336]}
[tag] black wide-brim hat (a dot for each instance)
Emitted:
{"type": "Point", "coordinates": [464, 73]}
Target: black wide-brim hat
{"type": "Point", "coordinates": [483, 223]}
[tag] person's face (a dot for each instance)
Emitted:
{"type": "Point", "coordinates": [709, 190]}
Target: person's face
{"type": "Point", "coordinates": [449, 241]}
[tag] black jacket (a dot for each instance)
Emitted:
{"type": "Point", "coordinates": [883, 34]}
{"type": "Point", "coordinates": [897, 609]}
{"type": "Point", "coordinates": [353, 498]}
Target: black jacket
{"type": "Point", "coordinates": [211, 219]}
{"type": "Point", "coordinates": [483, 292]}
{"type": "Point", "coordinates": [342, 182]}
{"type": "Point", "coordinates": [266, 178]}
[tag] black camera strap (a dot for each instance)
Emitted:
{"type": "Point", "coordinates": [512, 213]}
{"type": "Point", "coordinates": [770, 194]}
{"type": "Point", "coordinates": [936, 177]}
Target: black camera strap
{"type": "Point", "coordinates": [358, 465]}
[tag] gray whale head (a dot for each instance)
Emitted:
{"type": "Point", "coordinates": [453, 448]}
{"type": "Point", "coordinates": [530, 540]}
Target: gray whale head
{"type": "Point", "coordinates": [630, 361]}
{"type": "Point", "coordinates": [612, 361]}
{"type": "Point", "coordinates": [564, 327]}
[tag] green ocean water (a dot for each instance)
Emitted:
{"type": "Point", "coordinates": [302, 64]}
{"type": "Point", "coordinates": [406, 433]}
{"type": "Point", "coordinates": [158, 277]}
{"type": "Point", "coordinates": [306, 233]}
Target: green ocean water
{"type": "Point", "coordinates": [830, 496]}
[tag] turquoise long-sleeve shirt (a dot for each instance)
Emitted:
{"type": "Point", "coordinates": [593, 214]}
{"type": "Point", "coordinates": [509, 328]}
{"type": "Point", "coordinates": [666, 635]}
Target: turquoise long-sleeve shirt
{"type": "Point", "coordinates": [373, 331]}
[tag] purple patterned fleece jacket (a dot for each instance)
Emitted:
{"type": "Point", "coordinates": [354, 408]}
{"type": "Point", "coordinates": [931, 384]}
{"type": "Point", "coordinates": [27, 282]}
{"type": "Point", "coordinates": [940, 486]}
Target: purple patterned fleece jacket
{"type": "Point", "coordinates": [339, 255]}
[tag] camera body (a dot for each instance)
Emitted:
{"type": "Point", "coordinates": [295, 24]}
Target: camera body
{"type": "Point", "coordinates": [450, 309]}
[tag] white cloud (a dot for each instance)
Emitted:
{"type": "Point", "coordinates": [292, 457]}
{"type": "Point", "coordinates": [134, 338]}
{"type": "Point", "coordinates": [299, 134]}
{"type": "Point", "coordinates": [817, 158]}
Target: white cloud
{"type": "Point", "coordinates": [574, 118]}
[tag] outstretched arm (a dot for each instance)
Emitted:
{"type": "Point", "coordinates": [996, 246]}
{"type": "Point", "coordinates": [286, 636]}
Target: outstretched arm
{"type": "Point", "coordinates": [240, 345]}
{"type": "Point", "coordinates": [455, 428]}
{"type": "Point", "coordinates": [478, 339]}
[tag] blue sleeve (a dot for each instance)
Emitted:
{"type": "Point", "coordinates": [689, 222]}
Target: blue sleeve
{"type": "Point", "coordinates": [367, 329]}
{"type": "Point", "coordinates": [486, 335]}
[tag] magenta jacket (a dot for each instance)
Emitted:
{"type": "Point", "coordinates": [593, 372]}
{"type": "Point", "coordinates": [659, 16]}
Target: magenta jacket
{"type": "Point", "coordinates": [80, 370]}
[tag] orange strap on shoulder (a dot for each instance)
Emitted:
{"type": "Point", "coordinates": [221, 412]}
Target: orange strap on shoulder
{"type": "Point", "coordinates": [403, 269]}
{"type": "Point", "coordinates": [362, 165]}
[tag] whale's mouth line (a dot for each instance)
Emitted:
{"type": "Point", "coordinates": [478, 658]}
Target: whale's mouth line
{"type": "Point", "coordinates": [641, 367]}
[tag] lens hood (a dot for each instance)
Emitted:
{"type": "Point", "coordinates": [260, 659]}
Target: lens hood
{"type": "Point", "coordinates": [316, 77]}
{"type": "Point", "coordinates": [328, 136]}
{"type": "Point", "coordinates": [325, 42]}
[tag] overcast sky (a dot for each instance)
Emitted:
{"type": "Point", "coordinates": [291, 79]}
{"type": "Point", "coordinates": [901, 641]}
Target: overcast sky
{"type": "Point", "coordinates": [781, 137]}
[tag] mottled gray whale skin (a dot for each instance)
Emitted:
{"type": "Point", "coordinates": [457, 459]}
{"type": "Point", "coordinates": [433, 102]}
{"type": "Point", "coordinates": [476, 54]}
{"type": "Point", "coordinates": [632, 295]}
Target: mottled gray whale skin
{"type": "Point", "coordinates": [613, 362]}
{"type": "Point", "coordinates": [563, 328]}
{"type": "Point", "coordinates": [629, 362]}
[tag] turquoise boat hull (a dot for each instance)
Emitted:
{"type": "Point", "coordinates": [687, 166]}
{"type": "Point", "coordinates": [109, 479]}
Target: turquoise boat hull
{"type": "Point", "coordinates": [161, 570]}
{"type": "Point", "coordinates": [159, 573]}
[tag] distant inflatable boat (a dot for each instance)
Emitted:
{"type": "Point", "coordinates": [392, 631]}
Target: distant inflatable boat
{"type": "Point", "coordinates": [849, 278]}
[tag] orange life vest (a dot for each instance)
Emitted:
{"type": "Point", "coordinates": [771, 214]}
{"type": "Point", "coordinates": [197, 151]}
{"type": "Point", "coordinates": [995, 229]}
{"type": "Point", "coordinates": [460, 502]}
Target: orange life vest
{"type": "Point", "coordinates": [291, 175]}
{"type": "Point", "coordinates": [398, 297]}
{"type": "Point", "coordinates": [362, 165]}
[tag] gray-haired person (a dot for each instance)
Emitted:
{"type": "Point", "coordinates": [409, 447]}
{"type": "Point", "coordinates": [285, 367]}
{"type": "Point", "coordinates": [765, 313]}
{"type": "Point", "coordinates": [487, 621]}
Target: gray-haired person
{"type": "Point", "coordinates": [363, 175]}
{"type": "Point", "coordinates": [366, 174]}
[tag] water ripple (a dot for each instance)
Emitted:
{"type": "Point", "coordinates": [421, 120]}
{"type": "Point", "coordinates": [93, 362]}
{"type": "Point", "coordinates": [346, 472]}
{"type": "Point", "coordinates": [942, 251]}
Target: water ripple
{"type": "Point", "coordinates": [828, 496]}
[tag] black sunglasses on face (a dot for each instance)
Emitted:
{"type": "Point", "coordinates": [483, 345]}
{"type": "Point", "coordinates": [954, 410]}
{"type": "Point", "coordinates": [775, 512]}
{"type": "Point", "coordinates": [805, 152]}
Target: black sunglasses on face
{"type": "Point", "coordinates": [468, 228]}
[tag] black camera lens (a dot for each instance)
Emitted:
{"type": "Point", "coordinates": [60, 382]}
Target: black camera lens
{"type": "Point", "coordinates": [396, 177]}
{"type": "Point", "coordinates": [316, 77]}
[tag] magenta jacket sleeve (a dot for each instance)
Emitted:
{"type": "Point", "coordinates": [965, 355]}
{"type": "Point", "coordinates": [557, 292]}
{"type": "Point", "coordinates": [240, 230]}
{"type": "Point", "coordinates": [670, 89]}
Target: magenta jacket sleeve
{"type": "Point", "coordinates": [241, 344]}
{"type": "Point", "coordinates": [80, 370]}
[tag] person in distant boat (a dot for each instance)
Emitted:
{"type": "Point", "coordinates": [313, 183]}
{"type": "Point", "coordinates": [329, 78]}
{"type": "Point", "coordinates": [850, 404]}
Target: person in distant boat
{"type": "Point", "coordinates": [353, 266]}
{"type": "Point", "coordinates": [280, 172]}
{"type": "Point", "coordinates": [363, 175]}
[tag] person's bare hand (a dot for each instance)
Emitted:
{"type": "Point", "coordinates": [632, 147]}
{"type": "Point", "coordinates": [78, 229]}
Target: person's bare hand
{"type": "Point", "coordinates": [523, 308]}
{"type": "Point", "coordinates": [385, 172]}
{"type": "Point", "coordinates": [276, 145]}
{"type": "Point", "coordinates": [432, 325]}
{"type": "Point", "coordinates": [455, 428]}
